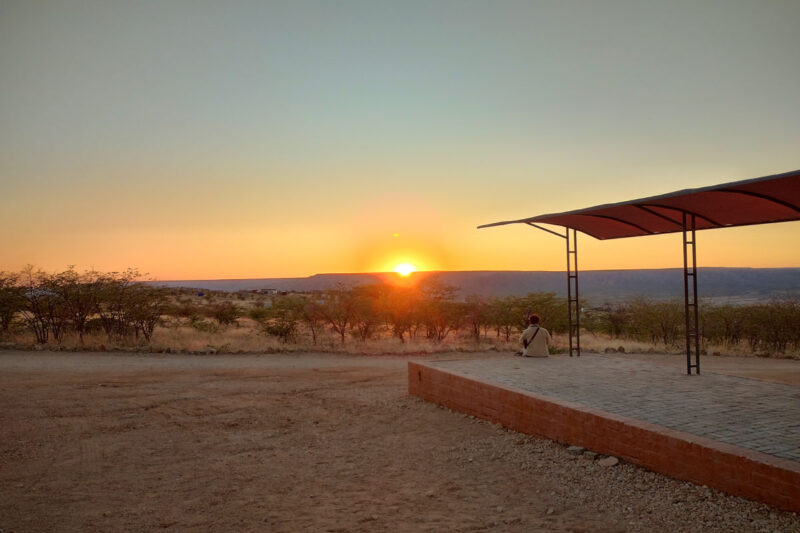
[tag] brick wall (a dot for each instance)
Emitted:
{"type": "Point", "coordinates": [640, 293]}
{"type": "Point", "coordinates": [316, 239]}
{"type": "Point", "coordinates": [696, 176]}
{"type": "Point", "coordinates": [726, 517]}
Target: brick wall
{"type": "Point", "coordinates": [677, 454]}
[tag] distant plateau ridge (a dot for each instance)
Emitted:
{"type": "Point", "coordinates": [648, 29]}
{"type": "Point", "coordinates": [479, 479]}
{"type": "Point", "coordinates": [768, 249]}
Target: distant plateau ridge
{"type": "Point", "coordinates": [721, 285]}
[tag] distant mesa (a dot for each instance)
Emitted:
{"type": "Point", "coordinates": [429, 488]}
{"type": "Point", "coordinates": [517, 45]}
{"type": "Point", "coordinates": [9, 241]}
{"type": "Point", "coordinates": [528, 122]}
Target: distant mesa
{"type": "Point", "coordinates": [721, 285]}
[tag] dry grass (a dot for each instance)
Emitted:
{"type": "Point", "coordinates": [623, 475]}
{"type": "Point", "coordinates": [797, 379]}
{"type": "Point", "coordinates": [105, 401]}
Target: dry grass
{"type": "Point", "coordinates": [592, 342]}
{"type": "Point", "coordinates": [178, 336]}
{"type": "Point", "coordinates": [247, 338]}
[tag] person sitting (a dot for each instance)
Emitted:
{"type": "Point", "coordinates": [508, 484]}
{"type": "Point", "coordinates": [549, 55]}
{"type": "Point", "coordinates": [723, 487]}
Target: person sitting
{"type": "Point", "coordinates": [535, 339]}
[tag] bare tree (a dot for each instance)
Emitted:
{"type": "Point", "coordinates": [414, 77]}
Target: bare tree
{"type": "Point", "coordinates": [441, 313]}
{"type": "Point", "coordinates": [397, 306]}
{"type": "Point", "coordinates": [338, 308]}
{"type": "Point", "coordinates": [311, 316]}
{"type": "Point", "coordinates": [113, 305]}
{"type": "Point", "coordinates": [34, 311]}
{"type": "Point", "coordinates": [366, 314]}
{"type": "Point", "coordinates": [80, 294]}
{"type": "Point", "coordinates": [12, 299]}
{"type": "Point", "coordinates": [477, 315]}
{"type": "Point", "coordinates": [145, 306]}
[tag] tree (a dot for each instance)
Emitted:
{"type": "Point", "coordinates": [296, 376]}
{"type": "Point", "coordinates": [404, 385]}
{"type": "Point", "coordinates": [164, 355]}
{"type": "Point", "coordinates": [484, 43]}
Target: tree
{"type": "Point", "coordinates": [552, 310]}
{"type": "Point", "coordinates": [440, 313]}
{"type": "Point", "coordinates": [366, 316]}
{"type": "Point", "coordinates": [397, 305]}
{"type": "Point", "coordinates": [773, 325]}
{"type": "Point", "coordinates": [476, 311]}
{"type": "Point", "coordinates": [12, 299]}
{"type": "Point", "coordinates": [614, 319]}
{"type": "Point", "coordinates": [43, 310]}
{"type": "Point", "coordinates": [115, 293]}
{"type": "Point", "coordinates": [505, 316]}
{"type": "Point", "coordinates": [144, 307]}
{"type": "Point", "coordinates": [310, 315]}
{"type": "Point", "coordinates": [657, 321]}
{"type": "Point", "coordinates": [338, 307]}
{"type": "Point", "coordinates": [723, 324]}
{"type": "Point", "coordinates": [80, 294]}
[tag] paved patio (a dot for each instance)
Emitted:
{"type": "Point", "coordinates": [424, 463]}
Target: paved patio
{"type": "Point", "coordinates": [736, 434]}
{"type": "Point", "coordinates": [757, 415]}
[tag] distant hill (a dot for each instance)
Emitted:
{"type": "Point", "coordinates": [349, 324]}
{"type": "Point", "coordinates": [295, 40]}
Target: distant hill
{"type": "Point", "coordinates": [735, 285]}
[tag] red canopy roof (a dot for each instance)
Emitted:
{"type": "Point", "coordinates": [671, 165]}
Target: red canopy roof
{"type": "Point", "coordinates": [740, 203]}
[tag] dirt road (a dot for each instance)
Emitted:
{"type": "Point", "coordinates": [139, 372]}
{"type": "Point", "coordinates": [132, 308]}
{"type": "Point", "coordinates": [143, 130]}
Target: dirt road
{"type": "Point", "coordinates": [308, 442]}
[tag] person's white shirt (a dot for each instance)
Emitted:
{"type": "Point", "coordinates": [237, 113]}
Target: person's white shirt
{"type": "Point", "coordinates": [537, 347]}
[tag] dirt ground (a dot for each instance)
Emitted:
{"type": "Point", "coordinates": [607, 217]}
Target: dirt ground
{"type": "Point", "coordinates": [305, 442]}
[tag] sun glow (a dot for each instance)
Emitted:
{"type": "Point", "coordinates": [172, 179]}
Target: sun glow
{"type": "Point", "coordinates": [405, 269]}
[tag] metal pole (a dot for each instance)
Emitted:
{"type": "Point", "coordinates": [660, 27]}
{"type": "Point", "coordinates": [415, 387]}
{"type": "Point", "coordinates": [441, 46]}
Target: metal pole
{"type": "Point", "coordinates": [577, 297]}
{"type": "Point", "coordinates": [686, 300]}
{"type": "Point", "coordinates": [569, 295]}
{"type": "Point", "coordinates": [690, 304]}
{"type": "Point", "coordinates": [696, 303]}
{"type": "Point", "coordinates": [573, 304]}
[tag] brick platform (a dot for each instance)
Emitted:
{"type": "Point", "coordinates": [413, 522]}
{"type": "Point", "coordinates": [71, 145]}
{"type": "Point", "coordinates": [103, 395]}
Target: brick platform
{"type": "Point", "coordinates": [738, 435]}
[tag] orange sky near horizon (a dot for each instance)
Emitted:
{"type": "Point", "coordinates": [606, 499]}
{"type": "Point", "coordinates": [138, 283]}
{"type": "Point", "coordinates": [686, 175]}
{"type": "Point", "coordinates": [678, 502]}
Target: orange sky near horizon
{"type": "Point", "coordinates": [210, 141]}
{"type": "Point", "coordinates": [376, 240]}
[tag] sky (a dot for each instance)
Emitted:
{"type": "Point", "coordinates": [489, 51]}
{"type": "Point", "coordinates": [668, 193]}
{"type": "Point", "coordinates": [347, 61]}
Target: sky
{"type": "Point", "coordinates": [198, 140]}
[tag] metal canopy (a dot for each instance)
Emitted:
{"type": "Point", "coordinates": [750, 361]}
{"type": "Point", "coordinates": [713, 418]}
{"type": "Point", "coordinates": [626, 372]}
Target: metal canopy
{"type": "Point", "coordinates": [764, 200]}
{"type": "Point", "coordinates": [740, 203]}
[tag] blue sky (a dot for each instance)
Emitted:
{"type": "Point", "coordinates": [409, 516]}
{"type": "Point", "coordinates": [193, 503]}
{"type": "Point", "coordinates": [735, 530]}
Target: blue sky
{"type": "Point", "coordinates": [211, 139]}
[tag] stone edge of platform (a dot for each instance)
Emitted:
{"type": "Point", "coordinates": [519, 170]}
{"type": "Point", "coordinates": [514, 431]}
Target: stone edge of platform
{"type": "Point", "coordinates": [732, 469]}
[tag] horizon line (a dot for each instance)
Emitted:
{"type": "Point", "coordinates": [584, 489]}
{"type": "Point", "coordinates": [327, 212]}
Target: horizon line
{"type": "Point", "coordinates": [468, 271]}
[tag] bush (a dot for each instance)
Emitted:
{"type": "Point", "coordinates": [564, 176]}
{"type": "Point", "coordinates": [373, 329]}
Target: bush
{"type": "Point", "coordinates": [203, 325]}
{"type": "Point", "coordinates": [285, 331]}
{"type": "Point", "coordinates": [226, 313]}
{"type": "Point", "coordinates": [259, 314]}
{"type": "Point", "coordinates": [282, 318]}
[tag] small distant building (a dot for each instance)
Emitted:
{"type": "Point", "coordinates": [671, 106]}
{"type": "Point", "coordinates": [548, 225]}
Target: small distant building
{"type": "Point", "coordinates": [268, 291]}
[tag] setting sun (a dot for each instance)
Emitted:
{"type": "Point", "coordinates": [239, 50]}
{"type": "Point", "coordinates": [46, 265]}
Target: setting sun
{"type": "Point", "coordinates": [405, 269]}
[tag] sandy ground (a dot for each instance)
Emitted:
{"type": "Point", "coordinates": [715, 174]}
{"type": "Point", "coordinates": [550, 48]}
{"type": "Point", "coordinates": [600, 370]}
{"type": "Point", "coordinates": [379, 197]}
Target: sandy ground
{"type": "Point", "coordinates": [307, 442]}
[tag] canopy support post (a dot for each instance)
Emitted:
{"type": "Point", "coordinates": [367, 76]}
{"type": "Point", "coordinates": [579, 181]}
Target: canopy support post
{"type": "Point", "coordinates": [690, 298]}
{"type": "Point", "coordinates": [573, 304]}
{"type": "Point", "coordinates": [573, 309]}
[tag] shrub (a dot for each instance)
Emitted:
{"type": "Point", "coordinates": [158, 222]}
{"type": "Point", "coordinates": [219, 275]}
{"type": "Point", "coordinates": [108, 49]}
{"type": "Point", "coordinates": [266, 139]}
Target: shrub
{"type": "Point", "coordinates": [285, 331]}
{"type": "Point", "coordinates": [226, 313]}
{"type": "Point", "coordinates": [203, 325]}
{"type": "Point", "coordinates": [259, 314]}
